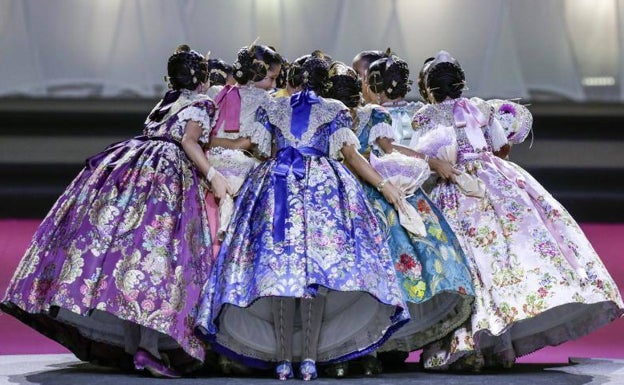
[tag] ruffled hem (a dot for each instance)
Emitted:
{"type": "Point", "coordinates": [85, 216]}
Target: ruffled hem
{"type": "Point", "coordinates": [90, 347]}
{"type": "Point", "coordinates": [246, 333]}
{"type": "Point", "coordinates": [431, 321]}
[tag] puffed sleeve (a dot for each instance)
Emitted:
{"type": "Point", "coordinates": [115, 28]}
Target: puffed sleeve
{"type": "Point", "coordinates": [515, 119]}
{"type": "Point", "coordinates": [260, 132]}
{"type": "Point", "coordinates": [381, 126]}
{"type": "Point", "coordinates": [203, 113]}
{"type": "Point", "coordinates": [421, 123]}
{"type": "Point", "coordinates": [340, 134]}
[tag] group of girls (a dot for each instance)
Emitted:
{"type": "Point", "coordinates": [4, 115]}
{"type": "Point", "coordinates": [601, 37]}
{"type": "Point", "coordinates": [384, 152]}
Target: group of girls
{"type": "Point", "coordinates": [302, 214]}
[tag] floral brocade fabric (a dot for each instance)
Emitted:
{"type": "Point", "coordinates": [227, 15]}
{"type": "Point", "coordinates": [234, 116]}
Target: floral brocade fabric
{"type": "Point", "coordinates": [127, 242]}
{"type": "Point", "coordinates": [538, 280]}
{"type": "Point", "coordinates": [432, 270]}
{"type": "Point", "coordinates": [331, 240]}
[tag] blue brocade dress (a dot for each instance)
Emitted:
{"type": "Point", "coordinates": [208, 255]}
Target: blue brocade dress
{"type": "Point", "coordinates": [432, 270]}
{"type": "Point", "coordinates": [302, 227]}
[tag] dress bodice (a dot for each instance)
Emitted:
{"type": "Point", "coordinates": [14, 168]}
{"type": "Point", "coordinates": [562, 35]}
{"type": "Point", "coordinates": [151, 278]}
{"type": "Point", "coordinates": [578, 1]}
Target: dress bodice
{"type": "Point", "coordinates": [328, 127]}
{"type": "Point", "coordinates": [402, 113]}
{"type": "Point", "coordinates": [373, 122]}
{"type": "Point", "coordinates": [188, 106]}
{"type": "Point", "coordinates": [441, 114]}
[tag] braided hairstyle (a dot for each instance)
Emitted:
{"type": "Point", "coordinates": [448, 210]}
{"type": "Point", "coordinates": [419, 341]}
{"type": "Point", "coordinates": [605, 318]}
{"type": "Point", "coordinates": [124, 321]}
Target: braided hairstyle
{"type": "Point", "coordinates": [254, 62]}
{"type": "Point", "coordinates": [365, 58]}
{"type": "Point", "coordinates": [282, 77]}
{"type": "Point", "coordinates": [422, 89]}
{"type": "Point", "coordinates": [345, 84]}
{"type": "Point", "coordinates": [219, 71]}
{"type": "Point", "coordinates": [186, 69]}
{"type": "Point", "coordinates": [445, 80]}
{"type": "Point", "coordinates": [390, 75]}
{"type": "Point", "coordinates": [314, 73]}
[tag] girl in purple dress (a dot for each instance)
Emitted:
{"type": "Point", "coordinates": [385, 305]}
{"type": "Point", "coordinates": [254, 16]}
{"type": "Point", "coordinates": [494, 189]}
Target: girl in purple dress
{"type": "Point", "coordinates": [114, 271]}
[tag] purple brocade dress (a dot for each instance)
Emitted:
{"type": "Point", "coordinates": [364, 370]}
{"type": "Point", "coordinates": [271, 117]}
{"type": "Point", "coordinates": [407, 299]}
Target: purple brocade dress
{"type": "Point", "coordinates": [302, 227]}
{"type": "Point", "coordinates": [126, 244]}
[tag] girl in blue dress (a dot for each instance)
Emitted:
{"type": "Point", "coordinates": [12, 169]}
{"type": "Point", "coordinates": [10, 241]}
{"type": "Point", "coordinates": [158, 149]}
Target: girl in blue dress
{"type": "Point", "coordinates": [431, 267]}
{"type": "Point", "coordinates": [304, 236]}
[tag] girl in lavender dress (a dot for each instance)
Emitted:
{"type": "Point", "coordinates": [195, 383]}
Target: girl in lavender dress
{"type": "Point", "coordinates": [115, 270]}
{"type": "Point", "coordinates": [538, 280]}
{"type": "Point", "coordinates": [303, 235]}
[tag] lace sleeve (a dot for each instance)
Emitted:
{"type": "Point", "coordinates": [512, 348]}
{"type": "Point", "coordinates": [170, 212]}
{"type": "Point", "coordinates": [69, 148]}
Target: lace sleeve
{"type": "Point", "coordinates": [260, 132]}
{"type": "Point", "coordinates": [421, 123]}
{"type": "Point", "coordinates": [515, 119]}
{"type": "Point", "coordinates": [202, 113]}
{"type": "Point", "coordinates": [381, 126]}
{"type": "Point", "coordinates": [341, 134]}
{"type": "Point", "coordinates": [497, 135]}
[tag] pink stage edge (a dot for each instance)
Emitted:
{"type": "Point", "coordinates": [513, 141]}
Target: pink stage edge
{"type": "Point", "coordinates": [608, 240]}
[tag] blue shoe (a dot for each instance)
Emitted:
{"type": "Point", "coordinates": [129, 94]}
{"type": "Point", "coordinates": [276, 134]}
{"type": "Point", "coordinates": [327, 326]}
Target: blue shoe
{"type": "Point", "coordinates": [307, 370]}
{"type": "Point", "coordinates": [284, 370]}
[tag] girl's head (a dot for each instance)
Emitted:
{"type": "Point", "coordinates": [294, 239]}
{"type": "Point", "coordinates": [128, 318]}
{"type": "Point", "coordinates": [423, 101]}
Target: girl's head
{"type": "Point", "coordinates": [362, 61]}
{"type": "Point", "coordinates": [311, 72]}
{"type": "Point", "coordinates": [186, 69]}
{"type": "Point", "coordinates": [422, 90]}
{"type": "Point", "coordinates": [444, 78]}
{"type": "Point", "coordinates": [390, 76]}
{"type": "Point", "coordinates": [345, 84]}
{"type": "Point", "coordinates": [219, 72]}
{"type": "Point", "coordinates": [360, 64]}
{"type": "Point", "coordinates": [258, 64]}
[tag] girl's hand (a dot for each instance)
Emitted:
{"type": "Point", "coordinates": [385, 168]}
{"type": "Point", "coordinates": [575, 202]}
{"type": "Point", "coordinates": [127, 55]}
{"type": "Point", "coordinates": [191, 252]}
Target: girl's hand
{"type": "Point", "coordinates": [394, 196]}
{"type": "Point", "coordinates": [220, 186]}
{"type": "Point", "coordinates": [443, 168]}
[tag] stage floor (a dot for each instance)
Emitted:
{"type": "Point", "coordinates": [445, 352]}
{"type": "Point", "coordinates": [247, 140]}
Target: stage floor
{"type": "Point", "coordinates": [64, 369]}
{"type": "Point", "coordinates": [27, 357]}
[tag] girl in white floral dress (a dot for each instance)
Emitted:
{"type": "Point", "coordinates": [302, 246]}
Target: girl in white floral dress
{"type": "Point", "coordinates": [538, 280]}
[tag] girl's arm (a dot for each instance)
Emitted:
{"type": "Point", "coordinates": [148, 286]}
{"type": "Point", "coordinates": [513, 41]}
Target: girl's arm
{"type": "Point", "coordinates": [192, 148]}
{"type": "Point", "coordinates": [441, 167]}
{"type": "Point", "coordinates": [243, 143]}
{"type": "Point", "coordinates": [357, 162]}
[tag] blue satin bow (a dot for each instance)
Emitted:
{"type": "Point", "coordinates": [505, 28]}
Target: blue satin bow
{"type": "Point", "coordinates": [288, 159]}
{"type": "Point", "coordinates": [301, 103]}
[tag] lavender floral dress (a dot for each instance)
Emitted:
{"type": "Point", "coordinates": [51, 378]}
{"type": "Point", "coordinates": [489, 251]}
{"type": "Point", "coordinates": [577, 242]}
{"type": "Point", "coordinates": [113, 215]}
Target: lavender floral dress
{"type": "Point", "coordinates": [538, 280]}
{"type": "Point", "coordinates": [302, 227]}
{"type": "Point", "coordinates": [127, 242]}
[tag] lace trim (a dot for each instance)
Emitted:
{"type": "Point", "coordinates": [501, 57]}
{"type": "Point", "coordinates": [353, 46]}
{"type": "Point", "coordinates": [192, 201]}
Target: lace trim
{"type": "Point", "coordinates": [515, 119]}
{"type": "Point", "coordinates": [199, 115]}
{"type": "Point", "coordinates": [380, 130]}
{"type": "Point", "coordinates": [260, 136]}
{"type": "Point", "coordinates": [342, 137]}
{"type": "Point", "coordinates": [363, 115]}
{"type": "Point", "coordinates": [280, 112]}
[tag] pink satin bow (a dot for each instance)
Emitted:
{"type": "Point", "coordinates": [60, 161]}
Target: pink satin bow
{"type": "Point", "coordinates": [467, 115]}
